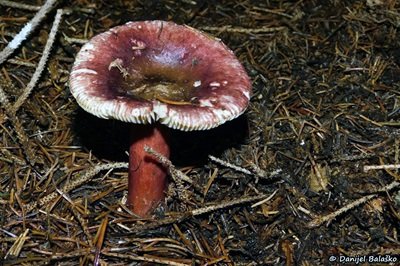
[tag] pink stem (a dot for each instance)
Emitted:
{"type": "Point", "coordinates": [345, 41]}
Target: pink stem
{"type": "Point", "coordinates": [147, 178]}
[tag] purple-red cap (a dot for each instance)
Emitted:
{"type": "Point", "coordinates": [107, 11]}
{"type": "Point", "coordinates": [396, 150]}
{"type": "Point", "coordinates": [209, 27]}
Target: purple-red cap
{"type": "Point", "coordinates": [149, 71]}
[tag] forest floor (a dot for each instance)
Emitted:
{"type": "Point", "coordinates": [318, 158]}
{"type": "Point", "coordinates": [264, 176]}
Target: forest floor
{"type": "Point", "coordinates": [307, 176]}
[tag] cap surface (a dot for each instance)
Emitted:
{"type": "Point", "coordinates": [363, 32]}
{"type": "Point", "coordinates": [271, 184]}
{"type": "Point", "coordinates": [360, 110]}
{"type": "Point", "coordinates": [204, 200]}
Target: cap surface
{"type": "Point", "coordinates": [124, 74]}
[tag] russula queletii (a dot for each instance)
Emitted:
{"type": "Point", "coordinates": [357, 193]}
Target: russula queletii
{"type": "Point", "coordinates": [158, 75]}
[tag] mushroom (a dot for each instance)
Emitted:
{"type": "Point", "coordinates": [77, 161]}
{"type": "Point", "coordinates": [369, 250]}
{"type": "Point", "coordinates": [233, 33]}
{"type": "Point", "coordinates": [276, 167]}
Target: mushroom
{"type": "Point", "coordinates": [158, 75]}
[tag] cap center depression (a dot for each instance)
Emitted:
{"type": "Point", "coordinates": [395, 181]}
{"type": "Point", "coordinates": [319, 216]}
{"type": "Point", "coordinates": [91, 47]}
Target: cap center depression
{"type": "Point", "coordinates": [155, 78]}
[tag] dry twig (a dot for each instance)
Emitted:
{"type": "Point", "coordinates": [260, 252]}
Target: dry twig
{"type": "Point", "coordinates": [26, 30]}
{"type": "Point", "coordinates": [76, 182]}
{"type": "Point", "coordinates": [381, 167]}
{"type": "Point", "coordinates": [186, 215]}
{"type": "Point", "coordinates": [42, 62]}
{"type": "Point", "coordinates": [151, 259]}
{"type": "Point", "coordinates": [318, 221]}
{"type": "Point", "coordinates": [23, 139]}
{"type": "Point", "coordinates": [19, 5]}
{"type": "Point", "coordinates": [229, 165]}
{"type": "Point", "coordinates": [244, 30]}
{"type": "Point", "coordinates": [177, 176]}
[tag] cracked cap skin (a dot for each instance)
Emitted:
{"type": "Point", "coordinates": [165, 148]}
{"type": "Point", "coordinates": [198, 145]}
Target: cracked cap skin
{"type": "Point", "coordinates": [149, 71]}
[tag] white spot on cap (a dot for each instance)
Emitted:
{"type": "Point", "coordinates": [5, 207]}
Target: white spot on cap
{"type": "Point", "coordinates": [246, 94]}
{"type": "Point", "coordinates": [197, 83]}
{"type": "Point", "coordinates": [206, 103]}
{"type": "Point", "coordinates": [88, 46]}
{"type": "Point", "coordinates": [228, 98]}
{"type": "Point", "coordinates": [84, 71]}
{"type": "Point", "coordinates": [160, 109]}
{"type": "Point", "coordinates": [215, 84]}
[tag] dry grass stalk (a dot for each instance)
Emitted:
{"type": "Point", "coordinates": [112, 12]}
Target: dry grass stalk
{"type": "Point", "coordinates": [76, 182]}
{"type": "Point", "coordinates": [177, 176]}
{"type": "Point", "coordinates": [244, 30]}
{"type": "Point", "coordinates": [15, 249]}
{"type": "Point", "coordinates": [318, 221]}
{"type": "Point", "coordinates": [226, 204]}
{"type": "Point", "coordinates": [19, 5]}
{"type": "Point", "coordinates": [381, 167]}
{"type": "Point", "coordinates": [26, 30]}
{"type": "Point", "coordinates": [42, 62]}
{"type": "Point", "coordinates": [229, 165]}
{"type": "Point", "coordinates": [325, 93]}
{"type": "Point", "coordinates": [23, 139]}
{"type": "Point", "coordinates": [151, 259]}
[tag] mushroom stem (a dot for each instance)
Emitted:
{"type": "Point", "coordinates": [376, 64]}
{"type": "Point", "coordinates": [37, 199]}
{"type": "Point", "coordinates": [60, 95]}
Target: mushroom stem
{"type": "Point", "coordinates": [147, 177]}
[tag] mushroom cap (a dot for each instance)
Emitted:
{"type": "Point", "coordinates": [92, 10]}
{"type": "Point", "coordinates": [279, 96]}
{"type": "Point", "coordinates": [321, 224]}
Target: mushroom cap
{"type": "Point", "coordinates": [217, 88]}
